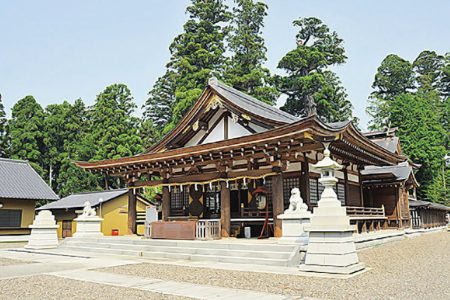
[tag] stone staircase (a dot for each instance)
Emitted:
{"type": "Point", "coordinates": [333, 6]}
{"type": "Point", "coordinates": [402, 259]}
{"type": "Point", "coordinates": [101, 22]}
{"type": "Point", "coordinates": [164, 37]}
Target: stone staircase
{"type": "Point", "coordinates": [258, 253]}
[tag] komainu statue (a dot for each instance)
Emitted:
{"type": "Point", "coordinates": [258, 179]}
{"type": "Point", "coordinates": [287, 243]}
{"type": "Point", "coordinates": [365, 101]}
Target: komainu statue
{"type": "Point", "coordinates": [296, 204]}
{"type": "Point", "coordinates": [88, 211]}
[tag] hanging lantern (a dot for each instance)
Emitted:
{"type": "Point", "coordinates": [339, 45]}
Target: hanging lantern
{"type": "Point", "coordinates": [260, 195]}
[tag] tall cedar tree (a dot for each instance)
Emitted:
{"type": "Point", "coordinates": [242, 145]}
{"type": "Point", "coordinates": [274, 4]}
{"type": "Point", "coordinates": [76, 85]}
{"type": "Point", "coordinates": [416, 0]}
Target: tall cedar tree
{"type": "Point", "coordinates": [394, 76]}
{"type": "Point", "coordinates": [27, 133]}
{"type": "Point", "coordinates": [79, 145]}
{"type": "Point", "coordinates": [114, 129]}
{"type": "Point", "coordinates": [306, 68]}
{"type": "Point", "coordinates": [422, 135]}
{"type": "Point", "coordinates": [245, 71]}
{"type": "Point", "coordinates": [197, 53]}
{"type": "Point", "coordinates": [159, 105]}
{"type": "Point", "coordinates": [55, 138]}
{"type": "Point", "coordinates": [412, 97]}
{"type": "Point", "coordinates": [4, 132]}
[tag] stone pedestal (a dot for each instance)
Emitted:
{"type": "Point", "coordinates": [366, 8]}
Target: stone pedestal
{"type": "Point", "coordinates": [293, 227]}
{"type": "Point", "coordinates": [43, 232]}
{"type": "Point", "coordinates": [331, 248]}
{"type": "Point", "coordinates": [88, 227]}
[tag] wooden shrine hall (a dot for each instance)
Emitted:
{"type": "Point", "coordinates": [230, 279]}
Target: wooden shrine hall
{"type": "Point", "coordinates": [229, 147]}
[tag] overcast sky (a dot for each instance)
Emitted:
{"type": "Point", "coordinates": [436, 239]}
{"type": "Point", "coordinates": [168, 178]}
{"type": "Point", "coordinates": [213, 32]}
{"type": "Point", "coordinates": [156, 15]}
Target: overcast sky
{"type": "Point", "coordinates": [60, 50]}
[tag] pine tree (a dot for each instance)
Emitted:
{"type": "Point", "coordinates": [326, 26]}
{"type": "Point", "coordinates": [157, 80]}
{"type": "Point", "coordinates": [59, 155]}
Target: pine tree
{"type": "Point", "coordinates": [4, 132]}
{"type": "Point", "coordinates": [26, 129]}
{"type": "Point", "coordinates": [246, 71]}
{"type": "Point", "coordinates": [197, 53]}
{"type": "Point", "coordinates": [332, 100]}
{"type": "Point", "coordinates": [394, 77]}
{"type": "Point", "coordinates": [114, 129]}
{"type": "Point", "coordinates": [307, 71]}
{"type": "Point", "coordinates": [149, 133]}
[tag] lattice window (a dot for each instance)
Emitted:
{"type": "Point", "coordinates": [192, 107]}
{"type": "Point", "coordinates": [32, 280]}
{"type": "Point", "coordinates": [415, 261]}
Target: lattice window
{"type": "Point", "coordinates": [288, 184]}
{"type": "Point", "coordinates": [10, 218]}
{"type": "Point", "coordinates": [179, 200]}
{"type": "Point", "coordinates": [212, 198]}
{"type": "Point", "coordinates": [316, 190]}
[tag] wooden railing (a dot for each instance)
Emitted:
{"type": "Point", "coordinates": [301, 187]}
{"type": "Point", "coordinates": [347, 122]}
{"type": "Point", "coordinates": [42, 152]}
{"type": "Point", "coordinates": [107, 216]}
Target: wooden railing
{"type": "Point", "coordinates": [208, 229]}
{"type": "Point", "coordinates": [365, 212]}
{"type": "Point", "coordinates": [367, 219]}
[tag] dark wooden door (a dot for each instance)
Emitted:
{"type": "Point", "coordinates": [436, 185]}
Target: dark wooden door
{"type": "Point", "coordinates": [66, 228]}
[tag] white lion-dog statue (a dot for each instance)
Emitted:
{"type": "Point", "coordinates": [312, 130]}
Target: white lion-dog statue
{"type": "Point", "coordinates": [296, 204]}
{"type": "Point", "coordinates": [88, 211]}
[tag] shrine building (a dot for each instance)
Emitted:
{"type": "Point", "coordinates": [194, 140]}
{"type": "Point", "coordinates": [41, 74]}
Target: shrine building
{"type": "Point", "coordinates": [230, 146]}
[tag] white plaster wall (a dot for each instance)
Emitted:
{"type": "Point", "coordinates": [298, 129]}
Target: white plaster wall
{"type": "Point", "coordinates": [236, 130]}
{"type": "Point", "coordinates": [257, 128]}
{"type": "Point", "coordinates": [216, 134]}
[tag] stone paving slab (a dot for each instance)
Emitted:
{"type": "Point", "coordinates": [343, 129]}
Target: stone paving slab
{"type": "Point", "coordinates": [166, 287]}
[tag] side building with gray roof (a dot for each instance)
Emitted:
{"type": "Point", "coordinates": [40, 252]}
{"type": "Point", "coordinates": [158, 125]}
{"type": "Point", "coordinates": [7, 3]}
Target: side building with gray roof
{"type": "Point", "coordinates": [20, 188]}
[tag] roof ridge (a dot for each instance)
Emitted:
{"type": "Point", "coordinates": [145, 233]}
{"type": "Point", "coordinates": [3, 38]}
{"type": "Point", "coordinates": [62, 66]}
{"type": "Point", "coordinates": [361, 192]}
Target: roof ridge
{"type": "Point", "coordinates": [13, 160]}
{"type": "Point", "coordinates": [97, 192]}
{"type": "Point", "coordinates": [253, 100]}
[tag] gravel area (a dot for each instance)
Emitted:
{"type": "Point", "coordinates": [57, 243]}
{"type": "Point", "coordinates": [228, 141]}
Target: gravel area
{"type": "Point", "coordinates": [8, 261]}
{"type": "Point", "coordinates": [412, 268]}
{"type": "Point", "coordinates": [52, 287]}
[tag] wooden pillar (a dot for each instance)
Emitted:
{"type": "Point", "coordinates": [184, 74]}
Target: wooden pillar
{"type": "Point", "coordinates": [277, 203]}
{"type": "Point", "coordinates": [361, 190]}
{"type": "Point", "coordinates": [131, 212]}
{"type": "Point", "coordinates": [165, 203]}
{"type": "Point", "coordinates": [304, 186]}
{"type": "Point", "coordinates": [225, 214]}
{"type": "Point", "coordinates": [346, 186]}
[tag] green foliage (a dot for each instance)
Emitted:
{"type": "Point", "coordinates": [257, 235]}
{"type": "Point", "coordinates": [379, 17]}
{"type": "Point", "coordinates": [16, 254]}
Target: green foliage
{"type": "Point", "coordinates": [114, 130]}
{"type": "Point", "coordinates": [4, 132]}
{"type": "Point", "coordinates": [421, 134]}
{"type": "Point", "coordinates": [198, 52]}
{"type": "Point", "coordinates": [428, 66]}
{"type": "Point", "coordinates": [149, 133]}
{"type": "Point", "coordinates": [159, 105]}
{"type": "Point", "coordinates": [245, 71]}
{"type": "Point", "coordinates": [395, 76]}
{"type": "Point", "coordinates": [27, 133]}
{"type": "Point", "coordinates": [308, 76]}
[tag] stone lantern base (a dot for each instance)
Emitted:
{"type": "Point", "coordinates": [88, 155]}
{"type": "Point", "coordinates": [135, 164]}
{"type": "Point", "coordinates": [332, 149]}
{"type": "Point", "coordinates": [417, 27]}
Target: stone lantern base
{"type": "Point", "coordinates": [331, 248]}
{"type": "Point", "coordinates": [43, 232]}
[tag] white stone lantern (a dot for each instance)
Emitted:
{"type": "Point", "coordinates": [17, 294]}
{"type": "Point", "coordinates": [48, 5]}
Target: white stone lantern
{"type": "Point", "coordinates": [331, 248]}
{"type": "Point", "coordinates": [327, 167]}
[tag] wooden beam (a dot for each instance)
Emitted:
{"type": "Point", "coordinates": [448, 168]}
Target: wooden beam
{"type": "Point", "coordinates": [165, 203]}
{"type": "Point", "coordinates": [277, 203]}
{"type": "Point", "coordinates": [225, 214]}
{"type": "Point", "coordinates": [131, 212]}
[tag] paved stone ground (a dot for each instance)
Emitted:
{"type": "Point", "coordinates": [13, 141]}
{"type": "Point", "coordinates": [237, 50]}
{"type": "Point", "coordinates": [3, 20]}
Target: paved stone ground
{"type": "Point", "coordinates": [52, 287]}
{"type": "Point", "coordinates": [413, 268]}
{"type": "Point", "coordinates": [9, 261]}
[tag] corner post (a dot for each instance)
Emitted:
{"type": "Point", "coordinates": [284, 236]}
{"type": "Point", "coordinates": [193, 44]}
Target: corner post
{"type": "Point", "coordinates": [165, 203]}
{"type": "Point", "coordinates": [277, 203]}
{"type": "Point", "coordinates": [131, 212]}
{"type": "Point", "coordinates": [225, 214]}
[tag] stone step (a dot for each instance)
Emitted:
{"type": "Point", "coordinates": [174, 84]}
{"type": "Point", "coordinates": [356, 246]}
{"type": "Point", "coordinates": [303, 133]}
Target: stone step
{"type": "Point", "coordinates": [182, 256]}
{"type": "Point", "coordinates": [185, 250]}
{"type": "Point", "coordinates": [235, 245]}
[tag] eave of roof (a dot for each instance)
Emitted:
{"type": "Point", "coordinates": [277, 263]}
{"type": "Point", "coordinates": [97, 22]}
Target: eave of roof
{"type": "Point", "coordinates": [310, 124]}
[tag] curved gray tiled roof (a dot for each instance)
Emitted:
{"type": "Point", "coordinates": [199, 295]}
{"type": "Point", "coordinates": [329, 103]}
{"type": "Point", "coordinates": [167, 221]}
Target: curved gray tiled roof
{"type": "Point", "coordinates": [250, 103]}
{"type": "Point", "coordinates": [18, 180]}
{"type": "Point", "coordinates": [77, 200]}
